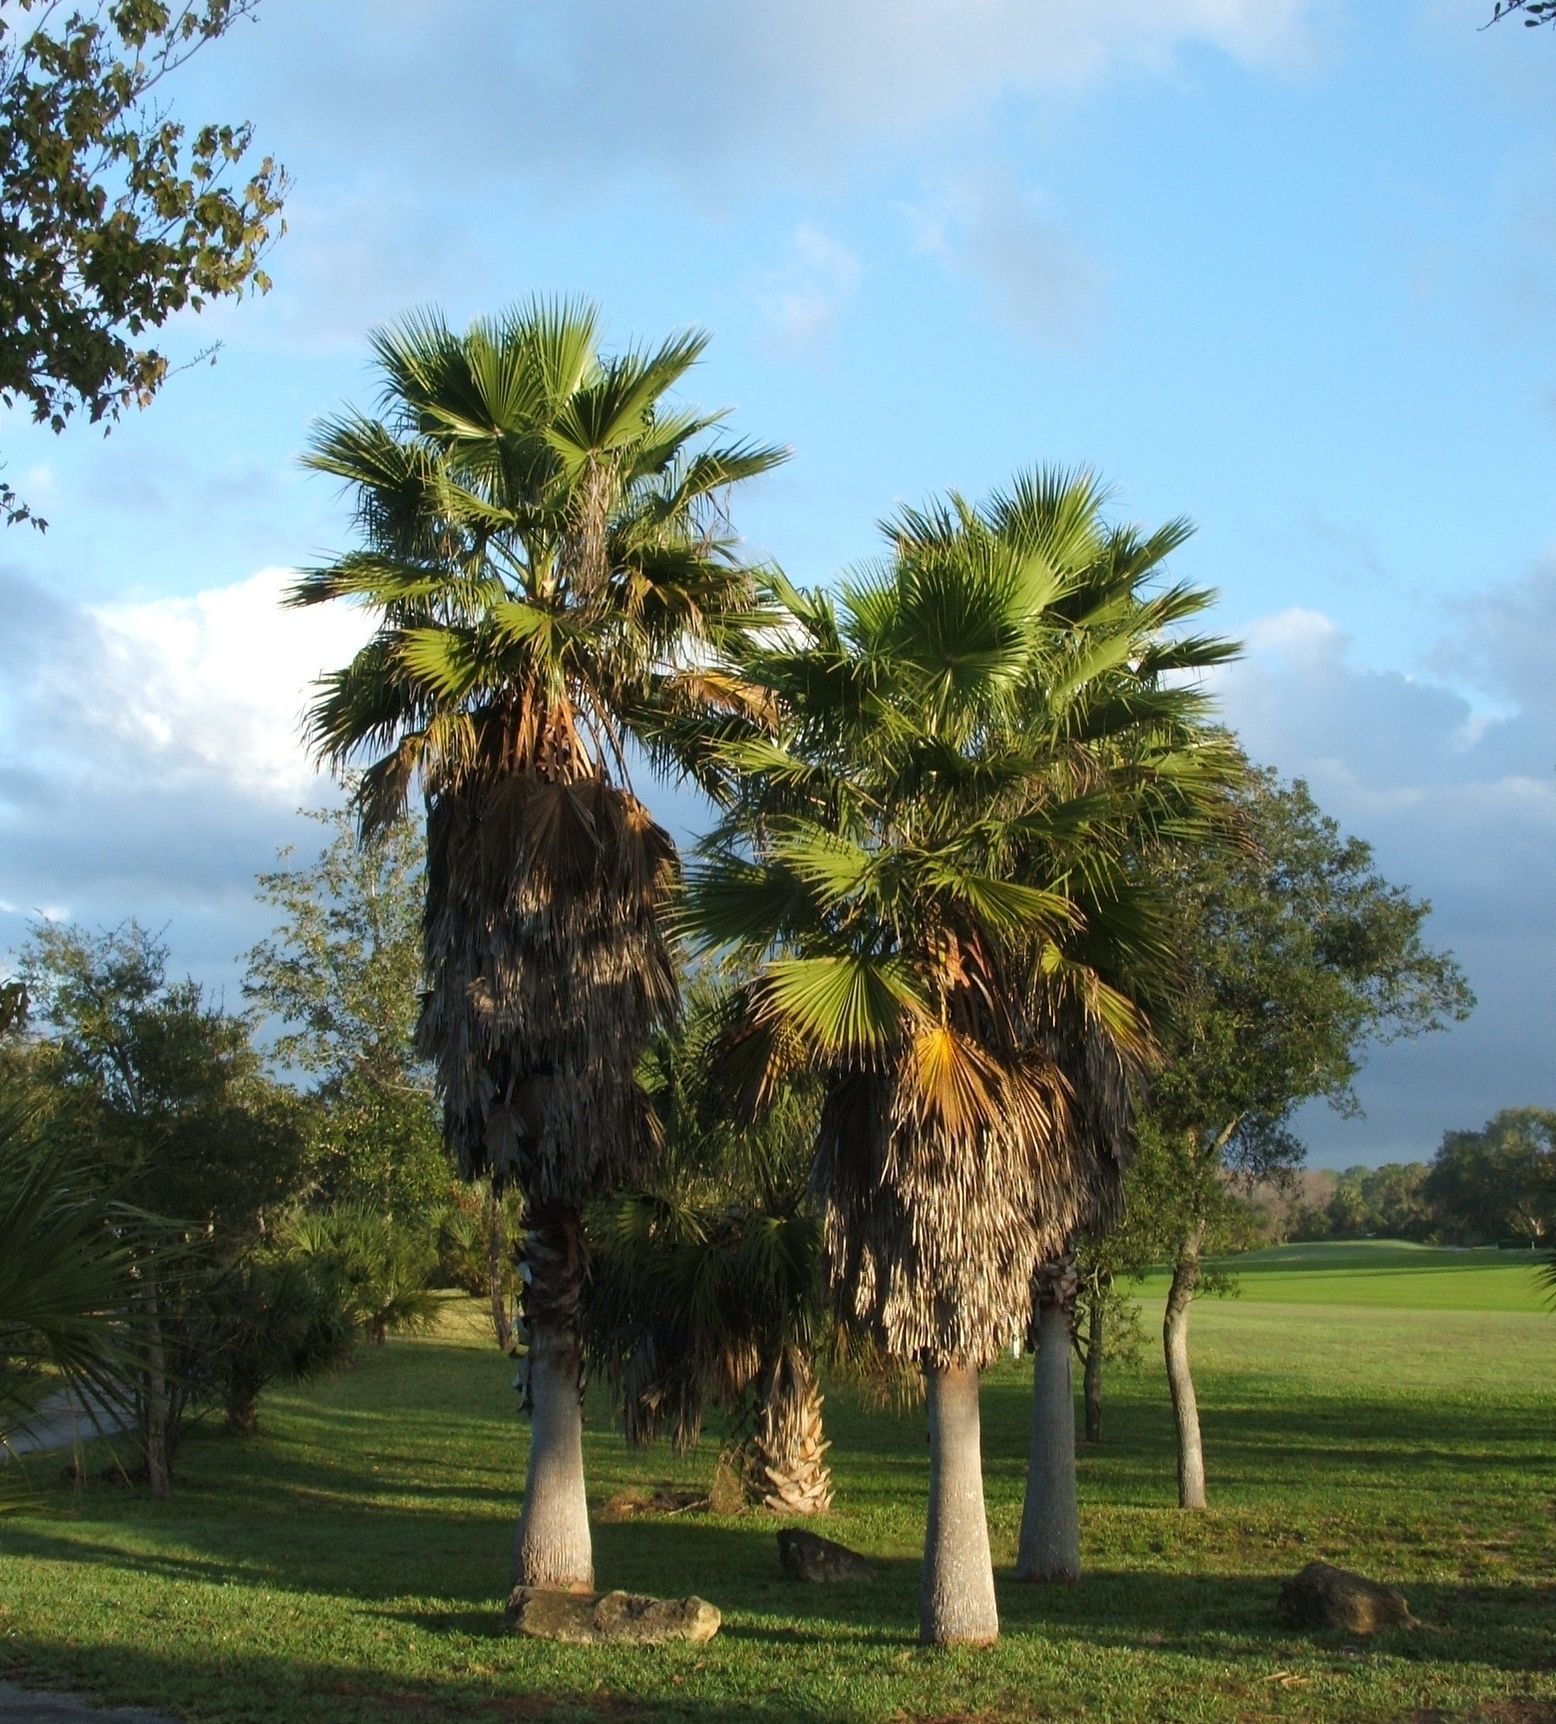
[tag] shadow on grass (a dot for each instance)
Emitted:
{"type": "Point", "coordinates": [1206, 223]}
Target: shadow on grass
{"type": "Point", "coordinates": [199, 1684]}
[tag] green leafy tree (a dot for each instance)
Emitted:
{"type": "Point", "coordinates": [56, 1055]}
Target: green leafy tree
{"type": "Point", "coordinates": [1296, 957]}
{"type": "Point", "coordinates": [342, 972]}
{"type": "Point", "coordinates": [162, 1097]}
{"type": "Point", "coordinates": [1487, 1185]}
{"type": "Point", "coordinates": [546, 549]}
{"type": "Point", "coordinates": [923, 860]}
{"type": "Point", "coordinates": [113, 214]}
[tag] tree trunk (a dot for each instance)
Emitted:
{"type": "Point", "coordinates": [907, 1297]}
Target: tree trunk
{"type": "Point", "coordinates": [497, 1271]}
{"type": "Point", "coordinates": [1095, 1315]}
{"type": "Point", "coordinates": [1050, 1546]}
{"type": "Point", "coordinates": [154, 1423]}
{"type": "Point", "coordinates": [791, 1473]}
{"type": "Point", "coordinates": [1175, 1342]}
{"type": "Point", "coordinates": [956, 1593]}
{"type": "Point", "coordinates": [552, 1544]}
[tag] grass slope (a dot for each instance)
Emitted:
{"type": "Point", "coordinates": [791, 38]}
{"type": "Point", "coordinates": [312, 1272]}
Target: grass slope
{"type": "Point", "coordinates": [1390, 1272]}
{"type": "Point", "coordinates": [348, 1565]}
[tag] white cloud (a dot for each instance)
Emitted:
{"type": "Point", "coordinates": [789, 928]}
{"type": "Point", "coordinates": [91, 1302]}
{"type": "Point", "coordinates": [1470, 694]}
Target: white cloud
{"type": "Point", "coordinates": [216, 683]}
{"type": "Point", "coordinates": [801, 299]}
{"type": "Point", "coordinates": [556, 88]}
{"type": "Point", "coordinates": [157, 764]}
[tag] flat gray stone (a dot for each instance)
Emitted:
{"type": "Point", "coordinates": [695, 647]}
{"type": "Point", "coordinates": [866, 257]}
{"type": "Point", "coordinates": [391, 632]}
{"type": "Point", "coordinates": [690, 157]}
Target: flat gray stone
{"type": "Point", "coordinates": [23, 1706]}
{"type": "Point", "coordinates": [594, 1618]}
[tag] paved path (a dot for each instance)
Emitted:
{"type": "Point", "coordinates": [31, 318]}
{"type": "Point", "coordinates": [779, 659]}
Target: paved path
{"type": "Point", "coordinates": [59, 1421]}
{"type": "Point", "coordinates": [18, 1706]}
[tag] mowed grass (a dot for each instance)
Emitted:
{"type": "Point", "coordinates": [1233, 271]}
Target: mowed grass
{"type": "Point", "coordinates": [349, 1564]}
{"type": "Point", "coordinates": [1387, 1272]}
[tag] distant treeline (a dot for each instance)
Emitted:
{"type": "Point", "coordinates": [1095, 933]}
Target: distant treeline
{"type": "Point", "coordinates": [1495, 1186]}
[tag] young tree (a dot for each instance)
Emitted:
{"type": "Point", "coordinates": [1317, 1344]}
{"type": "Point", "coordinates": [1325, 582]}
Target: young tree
{"type": "Point", "coordinates": [921, 851]}
{"type": "Point", "coordinates": [1296, 956]}
{"type": "Point", "coordinates": [113, 216]}
{"type": "Point", "coordinates": [546, 547]}
{"type": "Point", "coordinates": [343, 972]}
{"type": "Point", "coordinates": [162, 1096]}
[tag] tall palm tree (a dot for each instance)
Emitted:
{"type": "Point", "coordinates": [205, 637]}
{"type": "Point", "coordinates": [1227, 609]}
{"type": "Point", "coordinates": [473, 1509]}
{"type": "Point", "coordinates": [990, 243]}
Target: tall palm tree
{"type": "Point", "coordinates": [927, 856]}
{"type": "Point", "coordinates": [545, 545]}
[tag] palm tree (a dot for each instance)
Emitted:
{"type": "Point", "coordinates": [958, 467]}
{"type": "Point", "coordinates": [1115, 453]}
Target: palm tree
{"type": "Point", "coordinates": [924, 858]}
{"type": "Point", "coordinates": [707, 1285]}
{"type": "Point", "coordinates": [550, 563]}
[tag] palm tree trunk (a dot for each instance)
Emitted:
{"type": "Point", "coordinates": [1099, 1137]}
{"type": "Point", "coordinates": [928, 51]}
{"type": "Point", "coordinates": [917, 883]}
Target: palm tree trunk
{"type": "Point", "coordinates": [792, 1476]}
{"type": "Point", "coordinates": [552, 1545]}
{"type": "Point", "coordinates": [1095, 1315]}
{"type": "Point", "coordinates": [956, 1593]}
{"type": "Point", "coordinates": [1175, 1343]}
{"type": "Point", "coordinates": [1050, 1546]}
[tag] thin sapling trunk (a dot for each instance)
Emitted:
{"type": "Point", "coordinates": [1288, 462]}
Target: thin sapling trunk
{"type": "Point", "coordinates": [1180, 1379]}
{"type": "Point", "coordinates": [1092, 1379]}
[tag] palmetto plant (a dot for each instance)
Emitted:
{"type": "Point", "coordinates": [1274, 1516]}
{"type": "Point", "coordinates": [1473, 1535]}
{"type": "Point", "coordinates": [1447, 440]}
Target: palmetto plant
{"type": "Point", "coordinates": [929, 859]}
{"type": "Point", "coordinates": [545, 546]}
{"type": "Point", "coordinates": [707, 1284]}
{"type": "Point", "coordinates": [68, 1284]}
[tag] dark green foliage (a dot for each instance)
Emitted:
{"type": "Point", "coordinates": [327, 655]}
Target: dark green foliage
{"type": "Point", "coordinates": [269, 1318]}
{"type": "Point", "coordinates": [704, 1280]}
{"type": "Point", "coordinates": [68, 1283]}
{"type": "Point", "coordinates": [1498, 1183]}
{"type": "Point", "coordinates": [113, 215]}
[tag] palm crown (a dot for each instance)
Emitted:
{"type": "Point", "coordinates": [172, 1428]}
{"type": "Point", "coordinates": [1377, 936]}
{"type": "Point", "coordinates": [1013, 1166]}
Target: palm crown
{"type": "Point", "coordinates": [545, 548]}
{"type": "Point", "coordinates": [930, 856]}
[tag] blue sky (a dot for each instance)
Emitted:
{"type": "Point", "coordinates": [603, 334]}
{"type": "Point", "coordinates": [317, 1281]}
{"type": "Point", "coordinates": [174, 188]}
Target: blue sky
{"type": "Point", "coordinates": [1286, 266]}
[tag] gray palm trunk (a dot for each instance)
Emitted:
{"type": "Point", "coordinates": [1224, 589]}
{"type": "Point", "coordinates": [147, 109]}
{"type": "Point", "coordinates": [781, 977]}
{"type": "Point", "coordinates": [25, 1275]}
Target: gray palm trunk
{"type": "Point", "coordinates": [552, 1547]}
{"type": "Point", "coordinates": [956, 1593]}
{"type": "Point", "coordinates": [1050, 1547]}
{"type": "Point", "coordinates": [1180, 1379]}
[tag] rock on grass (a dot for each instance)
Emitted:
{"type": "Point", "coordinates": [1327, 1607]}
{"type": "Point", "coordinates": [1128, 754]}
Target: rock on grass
{"type": "Point", "coordinates": [594, 1618]}
{"type": "Point", "coordinates": [1325, 1597]}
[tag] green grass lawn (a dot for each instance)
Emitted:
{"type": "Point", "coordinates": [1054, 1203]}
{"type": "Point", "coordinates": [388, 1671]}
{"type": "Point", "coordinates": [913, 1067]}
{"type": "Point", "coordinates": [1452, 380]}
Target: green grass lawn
{"type": "Point", "coordinates": [349, 1564]}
